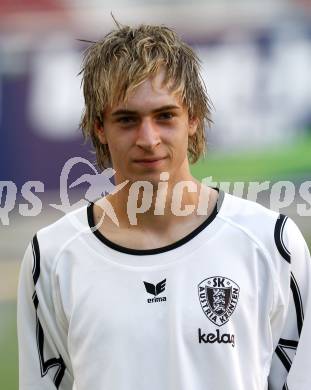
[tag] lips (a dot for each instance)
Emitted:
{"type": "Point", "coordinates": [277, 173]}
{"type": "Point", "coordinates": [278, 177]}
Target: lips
{"type": "Point", "coordinates": [153, 162]}
{"type": "Point", "coordinates": [150, 159]}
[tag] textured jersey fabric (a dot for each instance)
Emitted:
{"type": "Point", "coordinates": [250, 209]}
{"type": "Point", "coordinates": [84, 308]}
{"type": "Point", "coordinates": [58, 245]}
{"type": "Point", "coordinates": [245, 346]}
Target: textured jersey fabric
{"type": "Point", "coordinates": [228, 307]}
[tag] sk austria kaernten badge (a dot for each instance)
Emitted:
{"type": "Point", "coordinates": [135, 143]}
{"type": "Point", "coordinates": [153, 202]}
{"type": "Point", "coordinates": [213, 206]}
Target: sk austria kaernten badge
{"type": "Point", "coordinates": [218, 297]}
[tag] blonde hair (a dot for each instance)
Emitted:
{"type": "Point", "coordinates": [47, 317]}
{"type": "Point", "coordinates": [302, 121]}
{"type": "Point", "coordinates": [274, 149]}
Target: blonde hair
{"type": "Point", "coordinates": [114, 66]}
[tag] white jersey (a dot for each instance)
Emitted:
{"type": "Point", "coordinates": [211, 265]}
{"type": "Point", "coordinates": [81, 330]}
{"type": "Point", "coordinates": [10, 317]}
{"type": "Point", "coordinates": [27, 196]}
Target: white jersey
{"type": "Point", "coordinates": [228, 307]}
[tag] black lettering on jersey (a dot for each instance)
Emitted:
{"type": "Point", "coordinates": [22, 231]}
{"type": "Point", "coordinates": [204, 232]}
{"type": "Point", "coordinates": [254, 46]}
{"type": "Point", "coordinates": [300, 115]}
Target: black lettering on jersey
{"type": "Point", "coordinates": [218, 282]}
{"type": "Point", "coordinates": [45, 365]}
{"type": "Point", "coordinates": [160, 299]}
{"type": "Point", "coordinates": [211, 338]}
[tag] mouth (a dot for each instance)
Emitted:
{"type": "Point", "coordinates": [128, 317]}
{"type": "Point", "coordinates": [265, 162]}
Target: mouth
{"type": "Point", "coordinates": [150, 161]}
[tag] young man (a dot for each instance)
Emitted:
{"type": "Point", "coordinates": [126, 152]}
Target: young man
{"type": "Point", "coordinates": [193, 288]}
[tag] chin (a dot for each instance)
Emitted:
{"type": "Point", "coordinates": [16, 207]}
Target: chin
{"type": "Point", "coordinates": [152, 177]}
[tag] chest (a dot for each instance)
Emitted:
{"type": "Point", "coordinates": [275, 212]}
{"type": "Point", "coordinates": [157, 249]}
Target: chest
{"type": "Point", "coordinates": [210, 297]}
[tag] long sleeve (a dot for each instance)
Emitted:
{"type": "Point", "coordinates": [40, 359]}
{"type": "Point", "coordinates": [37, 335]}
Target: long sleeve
{"type": "Point", "coordinates": [291, 369]}
{"type": "Point", "coordinates": [41, 346]}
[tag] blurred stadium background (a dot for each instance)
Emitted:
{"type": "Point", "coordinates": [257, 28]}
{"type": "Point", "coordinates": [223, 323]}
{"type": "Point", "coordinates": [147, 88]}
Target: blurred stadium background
{"type": "Point", "coordinates": [256, 57]}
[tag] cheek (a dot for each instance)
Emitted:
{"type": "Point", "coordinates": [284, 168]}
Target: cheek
{"type": "Point", "coordinates": [179, 146]}
{"type": "Point", "coordinates": [121, 151]}
{"type": "Point", "coordinates": [118, 141]}
{"type": "Point", "coordinates": [117, 152]}
{"type": "Point", "coordinates": [181, 139]}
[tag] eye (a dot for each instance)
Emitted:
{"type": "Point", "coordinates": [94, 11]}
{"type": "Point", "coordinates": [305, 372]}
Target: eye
{"type": "Point", "coordinates": [126, 120]}
{"type": "Point", "coordinates": [165, 115]}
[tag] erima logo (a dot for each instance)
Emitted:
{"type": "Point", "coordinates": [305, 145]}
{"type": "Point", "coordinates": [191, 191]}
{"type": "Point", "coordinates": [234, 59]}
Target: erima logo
{"type": "Point", "coordinates": [155, 290]}
{"type": "Point", "coordinates": [218, 297]}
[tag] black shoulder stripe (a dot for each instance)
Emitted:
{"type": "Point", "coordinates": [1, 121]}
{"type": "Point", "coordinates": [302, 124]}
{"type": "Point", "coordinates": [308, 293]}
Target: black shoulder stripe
{"type": "Point", "coordinates": [292, 344]}
{"type": "Point", "coordinates": [45, 365]}
{"type": "Point", "coordinates": [35, 299]}
{"type": "Point", "coordinates": [281, 351]}
{"type": "Point", "coordinates": [278, 237]}
{"type": "Point", "coordinates": [285, 387]}
{"type": "Point", "coordinates": [298, 302]}
{"type": "Point", "coordinates": [282, 355]}
{"type": "Point", "coordinates": [36, 259]}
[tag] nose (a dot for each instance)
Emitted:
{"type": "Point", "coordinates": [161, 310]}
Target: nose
{"type": "Point", "coordinates": [147, 135]}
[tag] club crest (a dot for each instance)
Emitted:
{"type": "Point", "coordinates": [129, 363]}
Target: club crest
{"type": "Point", "coordinates": [218, 298]}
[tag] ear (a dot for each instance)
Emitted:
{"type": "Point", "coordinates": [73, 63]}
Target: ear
{"type": "Point", "coordinates": [99, 131]}
{"type": "Point", "coordinates": [193, 125]}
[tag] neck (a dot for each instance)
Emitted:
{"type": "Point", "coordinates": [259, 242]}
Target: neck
{"type": "Point", "coordinates": [159, 205]}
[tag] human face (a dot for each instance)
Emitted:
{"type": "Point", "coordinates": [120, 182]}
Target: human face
{"type": "Point", "coordinates": [148, 134]}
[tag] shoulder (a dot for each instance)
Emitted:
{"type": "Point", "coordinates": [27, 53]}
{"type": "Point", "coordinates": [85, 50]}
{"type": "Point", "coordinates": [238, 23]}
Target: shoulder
{"type": "Point", "coordinates": [274, 232]}
{"type": "Point", "coordinates": [249, 217]}
{"type": "Point", "coordinates": [54, 238]}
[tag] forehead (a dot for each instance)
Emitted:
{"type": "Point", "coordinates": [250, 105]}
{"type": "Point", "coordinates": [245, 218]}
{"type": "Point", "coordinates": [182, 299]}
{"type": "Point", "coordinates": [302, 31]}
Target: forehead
{"type": "Point", "coordinates": [149, 95]}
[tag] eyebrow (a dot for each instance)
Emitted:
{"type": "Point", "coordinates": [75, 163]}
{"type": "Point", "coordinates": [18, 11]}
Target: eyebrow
{"type": "Point", "coordinates": [132, 112]}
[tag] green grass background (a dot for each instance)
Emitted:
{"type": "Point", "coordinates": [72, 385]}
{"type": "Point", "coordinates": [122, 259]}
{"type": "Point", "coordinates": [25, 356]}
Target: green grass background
{"type": "Point", "coordinates": [291, 162]}
{"type": "Point", "coordinates": [286, 162]}
{"type": "Point", "coordinates": [8, 347]}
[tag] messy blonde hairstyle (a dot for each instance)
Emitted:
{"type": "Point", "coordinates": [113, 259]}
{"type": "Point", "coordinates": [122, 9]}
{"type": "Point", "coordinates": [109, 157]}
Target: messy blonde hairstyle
{"type": "Point", "coordinates": [114, 66]}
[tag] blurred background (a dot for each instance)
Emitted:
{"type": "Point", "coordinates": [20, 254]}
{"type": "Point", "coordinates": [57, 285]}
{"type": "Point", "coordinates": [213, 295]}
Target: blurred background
{"type": "Point", "coordinates": [256, 60]}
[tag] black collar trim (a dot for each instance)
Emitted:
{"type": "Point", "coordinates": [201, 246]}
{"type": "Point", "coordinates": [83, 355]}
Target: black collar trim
{"type": "Point", "coordinates": [154, 251]}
